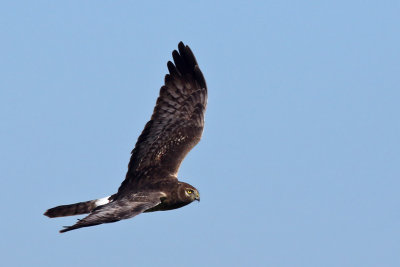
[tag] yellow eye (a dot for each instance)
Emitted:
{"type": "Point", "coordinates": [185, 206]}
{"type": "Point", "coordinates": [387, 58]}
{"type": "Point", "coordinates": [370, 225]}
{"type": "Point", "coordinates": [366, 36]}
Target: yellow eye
{"type": "Point", "coordinates": [189, 191]}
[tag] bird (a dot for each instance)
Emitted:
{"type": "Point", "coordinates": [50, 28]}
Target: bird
{"type": "Point", "coordinates": [151, 182]}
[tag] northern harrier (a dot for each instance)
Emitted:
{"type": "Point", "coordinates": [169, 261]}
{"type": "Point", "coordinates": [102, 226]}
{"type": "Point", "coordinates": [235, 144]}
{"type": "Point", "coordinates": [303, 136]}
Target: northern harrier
{"type": "Point", "coordinates": [151, 183]}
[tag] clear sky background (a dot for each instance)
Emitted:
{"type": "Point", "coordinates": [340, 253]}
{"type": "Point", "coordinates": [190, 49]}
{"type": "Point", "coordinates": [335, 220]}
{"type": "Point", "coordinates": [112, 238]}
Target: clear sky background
{"type": "Point", "coordinates": [299, 164]}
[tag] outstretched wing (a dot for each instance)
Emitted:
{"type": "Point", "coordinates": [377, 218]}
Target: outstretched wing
{"type": "Point", "coordinates": [177, 122]}
{"type": "Point", "coordinates": [121, 209]}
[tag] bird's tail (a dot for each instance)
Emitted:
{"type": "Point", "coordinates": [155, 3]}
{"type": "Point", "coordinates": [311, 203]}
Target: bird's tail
{"type": "Point", "coordinates": [77, 208]}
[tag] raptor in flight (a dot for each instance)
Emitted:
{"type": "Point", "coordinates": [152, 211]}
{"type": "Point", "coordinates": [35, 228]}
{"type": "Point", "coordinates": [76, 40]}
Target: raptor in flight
{"type": "Point", "coordinates": [151, 183]}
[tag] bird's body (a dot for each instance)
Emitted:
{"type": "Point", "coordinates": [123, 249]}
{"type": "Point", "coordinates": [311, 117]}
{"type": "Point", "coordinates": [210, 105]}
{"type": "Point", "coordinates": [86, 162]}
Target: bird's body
{"type": "Point", "coordinates": [151, 182]}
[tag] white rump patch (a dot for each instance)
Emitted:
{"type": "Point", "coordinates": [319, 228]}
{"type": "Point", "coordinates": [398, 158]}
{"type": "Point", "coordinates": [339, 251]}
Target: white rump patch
{"type": "Point", "coordinates": [102, 201]}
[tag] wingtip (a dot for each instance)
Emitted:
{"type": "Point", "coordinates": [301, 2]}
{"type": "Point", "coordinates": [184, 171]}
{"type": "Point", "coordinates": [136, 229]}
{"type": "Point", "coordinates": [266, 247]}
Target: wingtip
{"type": "Point", "coordinates": [181, 45]}
{"type": "Point", "coordinates": [66, 229]}
{"type": "Point", "coordinates": [185, 62]}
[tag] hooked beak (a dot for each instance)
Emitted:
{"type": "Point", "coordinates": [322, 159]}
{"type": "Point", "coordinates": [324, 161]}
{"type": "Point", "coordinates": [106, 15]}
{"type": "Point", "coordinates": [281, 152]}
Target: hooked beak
{"type": "Point", "coordinates": [197, 197]}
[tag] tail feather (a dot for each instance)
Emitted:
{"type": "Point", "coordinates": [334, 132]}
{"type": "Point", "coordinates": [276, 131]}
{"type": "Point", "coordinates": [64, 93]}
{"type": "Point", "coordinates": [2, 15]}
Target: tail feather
{"type": "Point", "coordinates": [120, 209]}
{"type": "Point", "coordinates": [77, 208]}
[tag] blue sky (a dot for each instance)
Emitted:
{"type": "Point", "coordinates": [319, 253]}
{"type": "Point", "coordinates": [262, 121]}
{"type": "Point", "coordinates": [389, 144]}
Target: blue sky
{"type": "Point", "coordinates": [299, 164]}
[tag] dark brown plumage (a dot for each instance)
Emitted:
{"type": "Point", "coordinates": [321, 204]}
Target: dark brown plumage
{"type": "Point", "coordinates": [151, 182]}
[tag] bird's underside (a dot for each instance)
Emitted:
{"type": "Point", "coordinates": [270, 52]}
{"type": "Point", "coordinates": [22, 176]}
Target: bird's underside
{"type": "Point", "coordinates": [151, 182]}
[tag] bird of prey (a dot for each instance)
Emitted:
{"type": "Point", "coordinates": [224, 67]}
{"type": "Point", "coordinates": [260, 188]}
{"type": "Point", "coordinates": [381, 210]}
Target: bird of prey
{"type": "Point", "coordinates": [151, 182]}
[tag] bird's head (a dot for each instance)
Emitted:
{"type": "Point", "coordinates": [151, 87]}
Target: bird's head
{"type": "Point", "coordinates": [188, 192]}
